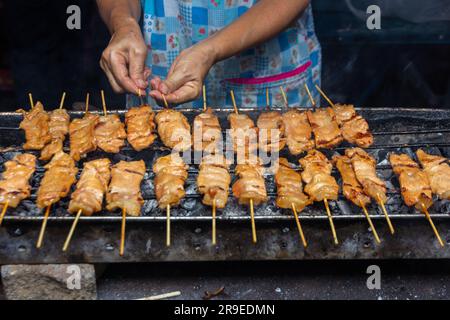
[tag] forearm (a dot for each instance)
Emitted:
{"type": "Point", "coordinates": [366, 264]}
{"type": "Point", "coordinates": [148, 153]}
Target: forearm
{"type": "Point", "coordinates": [263, 21]}
{"type": "Point", "coordinates": [117, 13]}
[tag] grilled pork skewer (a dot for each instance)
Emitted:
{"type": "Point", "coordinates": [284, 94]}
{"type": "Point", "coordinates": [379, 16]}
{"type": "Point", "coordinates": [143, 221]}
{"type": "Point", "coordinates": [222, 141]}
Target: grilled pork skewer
{"type": "Point", "coordinates": [438, 173]}
{"type": "Point", "coordinates": [174, 129]}
{"type": "Point", "coordinates": [354, 128]}
{"type": "Point", "coordinates": [298, 131]}
{"type": "Point", "coordinates": [110, 133]}
{"type": "Point", "coordinates": [140, 127]}
{"type": "Point", "coordinates": [58, 128]}
{"type": "Point", "coordinates": [15, 185]}
{"type": "Point", "coordinates": [207, 132]}
{"type": "Point", "coordinates": [326, 130]}
{"type": "Point", "coordinates": [243, 133]}
{"type": "Point", "coordinates": [35, 125]}
{"type": "Point", "coordinates": [271, 131]}
{"type": "Point", "coordinates": [82, 137]}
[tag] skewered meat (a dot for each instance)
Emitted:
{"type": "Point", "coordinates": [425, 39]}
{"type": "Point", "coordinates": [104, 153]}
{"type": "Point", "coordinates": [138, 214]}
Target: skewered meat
{"type": "Point", "coordinates": [414, 184]}
{"type": "Point", "coordinates": [365, 170]}
{"type": "Point", "coordinates": [58, 178]}
{"type": "Point", "coordinates": [250, 185]}
{"type": "Point", "coordinates": [271, 131]}
{"type": "Point", "coordinates": [82, 138]}
{"type": "Point", "coordinates": [110, 133]}
{"type": "Point", "coordinates": [289, 187]}
{"type": "Point", "coordinates": [354, 128]}
{"type": "Point", "coordinates": [243, 133]}
{"type": "Point", "coordinates": [298, 132]}
{"type": "Point", "coordinates": [15, 186]}
{"type": "Point", "coordinates": [124, 191]}
{"type": "Point", "coordinates": [58, 127]}
{"type": "Point", "coordinates": [140, 127]}
{"type": "Point", "coordinates": [207, 132]}
{"type": "Point", "coordinates": [91, 188]}
{"type": "Point", "coordinates": [352, 189]}
{"type": "Point", "coordinates": [320, 184]}
{"type": "Point", "coordinates": [171, 173]}
{"type": "Point", "coordinates": [326, 130]}
{"type": "Point", "coordinates": [438, 172]}
{"type": "Point", "coordinates": [174, 129]}
{"type": "Point", "coordinates": [35, 125]}
{"type": "Point", "coordinates": [213, 180]}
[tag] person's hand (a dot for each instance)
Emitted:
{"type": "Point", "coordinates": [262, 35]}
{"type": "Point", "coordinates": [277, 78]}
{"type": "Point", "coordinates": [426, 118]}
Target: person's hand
{"type": "Point", "coordinates": [185, 77]}
{"type": "Point", "coordinates": [123, 60]}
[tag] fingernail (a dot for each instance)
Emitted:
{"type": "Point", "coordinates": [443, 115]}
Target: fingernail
{"type": "Point", "coordinates": [163, 88]}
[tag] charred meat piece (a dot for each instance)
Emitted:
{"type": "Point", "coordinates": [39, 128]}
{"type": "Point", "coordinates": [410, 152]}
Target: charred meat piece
{"type": "Point", "coordinates": [171, 173]}
{"type": "Point", "coordinates": [414, 184]}
{"type": "Point", "coordinates": [364, 166]}
{"type": "Point", "coordinates": [271, 131]}
{"type": "Point", "coordinates": [91, 188]}
{"type": "Point", "coordinates": [82, 138]}
{"type": "Point", "coordinates": [243, 133]}
{"type": "Point", "coordinates": [298, 132]}
{"type": "Point", "coordinates": [207, 132]}
{"type": "Point", "coordinates": [320, 184]}
{"type": "Point", "coordinates": [140, 127]}
{"type": "Point", "coordinates": [15, 185]}
{"type": "Point", "coordinates": [352, 189]}
{"type": "Point", "coordinates": [326, 130]}
{"type": "Point", "coordinates": [289, 187]}
{"type": "Point", "coordinates": [35, 125]}
{"type": "Point", "coordinates": [438, 173]}
{"type": "Point", "coordinates": [174, 129]}
{"type": "Point", "coordinates": [250, 185]}
{"type": "Point", "coordinates": [59, 176]}
{"type": "Point", "coordinates": [213, 180]}
{"type": "Point", "coordinates": [110, 133]}
{"type": "Point", "coordinates": [354, 128]}
{"type": "Point", "coordinates": [124, 191]}
{"type": "Point", "coordinates": [58, 127]}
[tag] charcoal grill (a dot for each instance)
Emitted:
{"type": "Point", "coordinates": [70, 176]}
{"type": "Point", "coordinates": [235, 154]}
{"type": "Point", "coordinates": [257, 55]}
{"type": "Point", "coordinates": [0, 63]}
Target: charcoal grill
{"type": "Point", "coordinates": [97, 238]}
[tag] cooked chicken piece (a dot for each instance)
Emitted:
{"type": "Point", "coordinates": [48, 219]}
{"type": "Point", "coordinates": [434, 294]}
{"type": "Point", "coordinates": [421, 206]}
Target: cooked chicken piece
{"type": "Point", "coordinates": [213, 180]}
{"type": "Point", "coordinates": [171, 173]}
{"type": "Point", "coordinates": [250, 185]}
{"type": "Point", "coordinates": [207, 132]}
{"type": "Point", "coordinates": [320, 184]}
{"type": "Point", "coordinates": [271, 131]}
{"type": "Point", "coordinates": [352, 189]}
{"type": "Point", "coordinates": [35, 125]}
{"type": "Point", "coordinates": [298, 132]}
{"type": "Point", "coordinates": [124, 191]}
{"type": "Point", "coordinates": [365, 170]}
{"type": "Point", "coordinates": [91, 188]}
{"type": "Point", "coordinates": [289, 187]}
{"type": "Point", "coordinates": [414, 184]}
{"type": "Point", "coordinates": [58, 127]}
{"type": "Point", "coordinates": [140, 127]}
{"type": "Point", "coordinates": [82, 138]}
{"type": "Point", "coordinates": [438, 173]}
{"type": "Point", "coordinates": [354, 128]}
{"type": "Point", "coordinates": [59, 176]}
{"type": "Point", "coordinates": [174, 129]}
{"type": "Point", "coordinates": [15, 185]}
{"type": "Point", "coordinates": [110, 133]}
{"type": "Point", "coordinates": [326, 130]}
{"type": "Point", "coordinates": [243, 133]}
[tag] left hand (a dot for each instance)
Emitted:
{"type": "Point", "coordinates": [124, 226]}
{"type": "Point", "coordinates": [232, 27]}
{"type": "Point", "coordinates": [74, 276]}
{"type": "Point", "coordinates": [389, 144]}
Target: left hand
{"type": "Point", "coordinates": [185, 77]}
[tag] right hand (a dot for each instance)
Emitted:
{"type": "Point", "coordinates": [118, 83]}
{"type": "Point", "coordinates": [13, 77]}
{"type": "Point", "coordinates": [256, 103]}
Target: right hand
{"type": "Point", "coordinates": [123, 60]}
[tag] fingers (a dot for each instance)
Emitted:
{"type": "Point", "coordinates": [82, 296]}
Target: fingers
{"type": "Point", "coordinates": [137, 67]}
{"type": "Point", "coordinates": [114, 85]}
{"type": "Point", "coordinates": [186, 93]}
{"type": "Point", "coordinates": [173, 82]}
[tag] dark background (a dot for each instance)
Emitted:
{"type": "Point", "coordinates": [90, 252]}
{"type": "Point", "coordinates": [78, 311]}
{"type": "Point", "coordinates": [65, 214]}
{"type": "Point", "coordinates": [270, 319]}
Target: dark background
{"type": "Point", "coordinates": [406, 63]}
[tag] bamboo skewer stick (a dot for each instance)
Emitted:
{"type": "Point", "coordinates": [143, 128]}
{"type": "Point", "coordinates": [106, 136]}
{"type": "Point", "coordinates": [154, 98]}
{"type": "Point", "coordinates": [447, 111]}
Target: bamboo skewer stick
{"type": "Point", "coordinates": [61, 104]}
{"type": "Point", "coordinates": [234, 102]}
{"type": "Point", "coordinates": [374, 231]}
{"type": "Point", "coordinates": [4, 209]}
{"type": "Point", "coordinates": [30, 97]}
{"type": "Point", "coordinates": [103, 102]}
{"type": "Point", "coordinates": [87, 103]}
{"type": "Point", "coordinates": [214, 222]}
{"type": "Point", "coordinates": [204, 98]}
{"type": "Point", "coordinates": [299, 226]}
{"type": "Point", "coordinates": [310, 97]}
{"type": "Point", "coordinates": [325, 96]}
{"type": "Point", "coordinates": [166, 105]}
{"type": "Point", "coordinates": [168, 226]}
{"type": "Point", "coordinates": [330, 219]}
{"type": "Point", "coordinates": [141, 99]}
{"type": "Point", "coordinates": [72, 230]}
{"type": "Point", "coordinates": [286, 104]}
{"type": "Point", "coordinates": [122, 232]}
{"type": "Point", "coordinates": [252, 216]}
{"type": "Point", "coordinates": [267, 98]}
{"type": "Point", "coordinates": [44, 225]}
{"type": "Point", "coordinates": [427, 215]}
{"type": "Point", "coordinates": [386, 215]}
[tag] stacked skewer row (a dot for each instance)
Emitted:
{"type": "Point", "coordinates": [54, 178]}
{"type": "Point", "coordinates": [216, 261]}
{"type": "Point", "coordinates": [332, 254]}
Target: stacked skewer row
{"type": "Point", "coordinates": [120, 184]}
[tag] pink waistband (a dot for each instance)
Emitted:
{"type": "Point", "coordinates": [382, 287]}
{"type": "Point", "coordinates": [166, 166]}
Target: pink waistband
{"type": "Point", "coordinates": [274, 78]}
